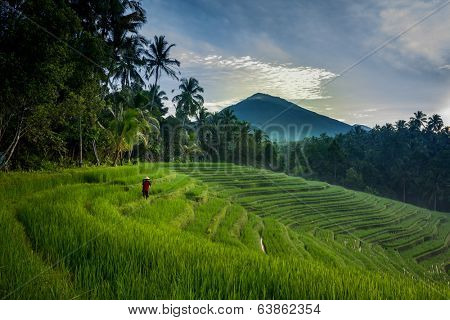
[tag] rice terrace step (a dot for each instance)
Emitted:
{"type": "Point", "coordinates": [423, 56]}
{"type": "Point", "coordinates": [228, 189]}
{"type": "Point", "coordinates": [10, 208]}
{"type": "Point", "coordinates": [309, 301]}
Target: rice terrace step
{"type": "Point", "coordinates": [201, 233]}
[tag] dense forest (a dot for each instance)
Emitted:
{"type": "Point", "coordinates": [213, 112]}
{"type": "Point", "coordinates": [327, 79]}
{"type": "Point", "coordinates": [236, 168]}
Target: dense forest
{"type": "Point", "coordinates": [408, 161]}
{"type": "Point", "coordinates": [80, 85]}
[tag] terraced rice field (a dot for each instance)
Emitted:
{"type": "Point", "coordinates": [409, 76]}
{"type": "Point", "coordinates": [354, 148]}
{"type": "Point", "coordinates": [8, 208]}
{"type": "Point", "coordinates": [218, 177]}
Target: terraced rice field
{"type": "Point", "coordinates": [217, 232]}
{"type": "Point", "coordinates": [416, 237]}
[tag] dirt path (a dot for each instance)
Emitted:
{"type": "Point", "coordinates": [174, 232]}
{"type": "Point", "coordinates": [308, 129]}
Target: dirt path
{"type": "Point", "coordinates": [262, 245]}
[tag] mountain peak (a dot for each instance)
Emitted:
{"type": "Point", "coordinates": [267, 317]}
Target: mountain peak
{"type": "Point", "coordinates": [259, 95]}
{"type": "Point", "coordinates": [283, 120]}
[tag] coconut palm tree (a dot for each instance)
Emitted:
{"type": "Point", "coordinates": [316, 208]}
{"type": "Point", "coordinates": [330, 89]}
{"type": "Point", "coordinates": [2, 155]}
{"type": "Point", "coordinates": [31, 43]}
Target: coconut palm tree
{"type": "Point", "coordinates": [150, 127]}
{"type": "Point", "coordinates": [260, 136]}
{"type": "Point", "coordinates": [227, 117]}
{"type": "Point", "coordinates": [227, 130]}
{"type": "Point", "coordinates": [202, 115]}
{"type": "Point", "coordinates": [130, 125]}
{"type": "Point", "coordinates": [128, 60]}
{"type": "Point", "coordinates": [124, 128]}
{"type": "Point", "coordinates": [158, 60]}
{"type": "Point", "coordinates": [435, 123]}
{"type": "Point", "coordinates": [242, 142]}
{"type": "Point", "coordinates": [113, 20]}
{"type": "Point", "coordinates": [120, 26]}
{"type": "Point", "coordinates": [446, 130]}
{"type": "Point", "coordinates": [126, 17]}
{"type": "Point", "coordinates": [117, 22]}
{"type": "Point", "coordinates": [158, 96]}
{"type": "Point", "coordinates": [190, 147]}
{"type": "Point", "coordinates": [189, 101]}
{"type": "Point", "coordinates": [400, 125]}
{"type": "Point", "coordinates": [418, 121]}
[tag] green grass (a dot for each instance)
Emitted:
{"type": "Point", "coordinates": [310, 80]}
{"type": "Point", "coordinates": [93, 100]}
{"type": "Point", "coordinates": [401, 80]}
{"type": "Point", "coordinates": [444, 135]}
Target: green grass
{"type": "Point", "coordinates": [88, 234]}
{"type": "Point", "coordinates": [417, 236]}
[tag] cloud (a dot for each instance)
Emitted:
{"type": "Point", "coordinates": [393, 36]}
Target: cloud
{"type": "Point", "coordinates": [428, 42]}
{"type": "Point", "coordinates": [239, 77]}
{"type": "Point", "coordinates": [358, 115]}
{"type": "Point", "coordinates": [219, 105]}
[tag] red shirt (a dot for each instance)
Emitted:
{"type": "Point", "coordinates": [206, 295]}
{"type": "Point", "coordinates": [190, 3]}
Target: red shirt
{"type": "Point", "coordinates": [146, 185]}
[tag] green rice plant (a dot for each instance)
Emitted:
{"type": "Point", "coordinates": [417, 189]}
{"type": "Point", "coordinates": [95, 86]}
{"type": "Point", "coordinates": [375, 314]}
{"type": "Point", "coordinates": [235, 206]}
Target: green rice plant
{"type": "Point", "coordinates": [89, 234]}
{"type": "Point", "coordinates": [305, 205]}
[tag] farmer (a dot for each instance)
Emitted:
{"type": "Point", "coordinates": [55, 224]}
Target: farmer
{"type": "Point", "coordinates": [146, 183]}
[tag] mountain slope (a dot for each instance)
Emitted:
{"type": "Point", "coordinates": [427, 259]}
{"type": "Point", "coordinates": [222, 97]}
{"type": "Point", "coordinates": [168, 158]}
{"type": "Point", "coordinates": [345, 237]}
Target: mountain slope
{"type": "Point", "coordinates": [283, 120]}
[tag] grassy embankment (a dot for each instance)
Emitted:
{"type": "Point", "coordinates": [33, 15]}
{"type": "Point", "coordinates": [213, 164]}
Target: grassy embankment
{"type": "Point", "coordinates": [87, 233]}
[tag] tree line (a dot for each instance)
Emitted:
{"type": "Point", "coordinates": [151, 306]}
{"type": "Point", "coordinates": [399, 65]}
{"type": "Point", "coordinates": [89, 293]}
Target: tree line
{"type": "Point", "coordinates": [408, 161]}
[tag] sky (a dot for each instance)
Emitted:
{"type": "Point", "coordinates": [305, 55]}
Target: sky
{"type": "Point", "coordinates": [301, 50]}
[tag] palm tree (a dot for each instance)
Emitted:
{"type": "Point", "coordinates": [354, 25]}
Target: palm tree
{"type": "Point", "coordinates": [203, 115]}
{"type": "Point", "coordinates": [435, 123]}
{"type": "Point", "coordinates": [400, 125]}
{"type": "Point", "coordinates": [260, 136]}
{"type": "Point", "coordinates": [113, 20]}
{"type": "Point", "coordinates": [124, 128]}
{"type": "Point", "coordinates": [418, 121]}
{"type": "Point", "coordinates": [242, 139]}
{"type": "Point", "coordinates": [158, 60]}
{"type": "Point", "coordinates": [131, 124]}
{"type": "Point", "coordinates": [120, 26]}
{"type": "Point", "coordinates": [158, 96]}
{"type": "Point", "coordinates": [150, 126]}
{"type": "Point", "coordinates": [227, 116]}
{"type": "Point", "coordinates": [337, 155]}
{"type": "Point", "coordinates": [227, 130]}
{"type": "Point", "coordinates": [389, 127]}
{"type": "Point", "coordinates": [245, 127]}
{"type": "Point", "coordinates": [128, 60]}
{"type": "Point", "coordinates": [446, 130]}
{"type": "Point", "coordinates": [190, 147]}
{"type": "Point", "coordinates": [189, 101]}
{"type": "Point", "coordinates": [117, 22]}
{"type": "Point", "coordinates": [126, 17]}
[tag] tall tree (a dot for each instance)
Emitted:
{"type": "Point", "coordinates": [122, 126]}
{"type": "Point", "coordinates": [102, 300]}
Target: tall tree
{"type": "Point", "coordinates": [112, 20]}
{"type": "Point", "coordinates": [227, 129]}
{"type": "Point", "coordinates": [418, 121]}
{"type": "Point", "coordinates": [435, 123]}
{"type": "Point", "coordinates": [202, 115]}
{"type": "Point", "coordinates": [336, 155]}
{"type": "Point", "coordinates": [400, 125]}
{"type": "Point", "coordinates": [118, 23]}
{"type": "Point", "coordinates": [39, 72]}
{"type": "Point", "coordinates": [190, 100]}
{"type": "Point", "coordinates": [158, 60]}
{"type": "Point", "coordinates": [158, 96]}
{"type": "Point", "coordinates": [128, 62]}
{"type": "Point", "coordinates": [227, 117]}
{"type": "Point", "coordinates": [126, 17]}
{"type": "Point", "coordinates": [126, 128]}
